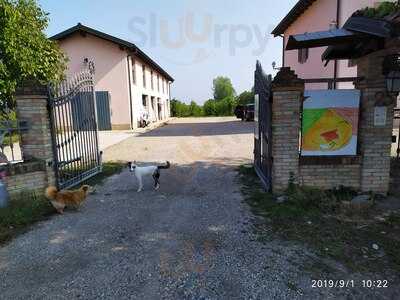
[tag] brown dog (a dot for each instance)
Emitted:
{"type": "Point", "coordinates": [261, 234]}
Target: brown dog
{"type": "Point", "coordinates": [62, 199]}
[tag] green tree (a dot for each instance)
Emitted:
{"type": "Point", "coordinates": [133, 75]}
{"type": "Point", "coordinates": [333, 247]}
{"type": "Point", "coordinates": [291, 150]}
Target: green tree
{"type": "Point", "coordinates": [209, 108]}
{"type": "Point", "coordinates": [25, 51]}
{"type": "Point", "coordinates": [174, 108]}
{"type": "Point", "coordinates": [245, 98]}
{"type": "Point", "coordinates": [223, 88]}
{"type": "Point", "coordinates": [195, 109]}
{"type": "Point", "coordinates": [225, 107]}
{"type": "Point", "coordinates": [183, 110]}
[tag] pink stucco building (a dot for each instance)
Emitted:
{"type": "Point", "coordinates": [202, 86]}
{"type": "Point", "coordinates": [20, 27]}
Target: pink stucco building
{"type": "Point", "coordinates": [312, 16]}
{"type": "Point", "coordinates": [132, 81]}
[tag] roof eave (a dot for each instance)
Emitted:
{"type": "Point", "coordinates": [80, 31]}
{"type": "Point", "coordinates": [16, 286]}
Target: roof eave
{"type": "Point", "coordinates": [300, 7]}
{"type": "Point", "coordinates": [130, 47]}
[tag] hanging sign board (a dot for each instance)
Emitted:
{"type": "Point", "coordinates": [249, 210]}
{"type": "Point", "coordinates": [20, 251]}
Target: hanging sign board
{"type": "Point", "coordinates": [380, 115]}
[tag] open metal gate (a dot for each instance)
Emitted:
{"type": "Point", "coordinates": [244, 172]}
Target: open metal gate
{"type": "Point", "coordinates": [73, 118]}
{"type": "Point", "coordinates": [263, 126]}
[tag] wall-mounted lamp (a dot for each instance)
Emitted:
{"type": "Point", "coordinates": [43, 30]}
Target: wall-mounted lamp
{"type": "Point", "coordinates": [333, 25]}
{"type": "Point", "coordinates": [391, 69]}
{"type": "Point", "coordinates": [89, 64]}
{"type": "Point", "coordinates": [393, 82]}
{"type": "Point", "coordinates": [274, 66]}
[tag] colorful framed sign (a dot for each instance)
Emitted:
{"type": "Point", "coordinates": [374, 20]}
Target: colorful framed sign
{"type": "Point", "coordinates": [330, 123]}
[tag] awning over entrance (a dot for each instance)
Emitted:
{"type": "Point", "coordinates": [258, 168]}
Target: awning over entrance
{"type": "Point", "coordinates": [323, 38]}
{"type": "Point", "coordinates": [352, 50]}
{"type": "Point", "coordinates": [358, 37]}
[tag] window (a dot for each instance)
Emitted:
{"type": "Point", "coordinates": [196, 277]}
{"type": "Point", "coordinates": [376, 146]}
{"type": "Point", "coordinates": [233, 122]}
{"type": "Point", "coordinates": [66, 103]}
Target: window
{"type": "Point", "coordinates": [144, 75]}
{"type": "Point", "coordinates": [144, 100]}
{"type": "Point", "coordinates": [133, 71]}
{"type": "Point", "coordinates": [163, 85]}
{"type": "Point", "coordinates": [303, 55]}
{"type": "Point", "coordinates": [152, 80]}
{"type": "Point", "coordinates": [158, 82]}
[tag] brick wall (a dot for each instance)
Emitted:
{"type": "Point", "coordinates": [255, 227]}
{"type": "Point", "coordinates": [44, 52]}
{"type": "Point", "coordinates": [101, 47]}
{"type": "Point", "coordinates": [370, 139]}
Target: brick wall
{"type": "Point", "coordinates": [34, 182]}
{"type": "Point", "coordinates": [286, 125]}
{"type": "Point", "coordinates": [375, 141]}
{"type": "Point", "coordinates": [35, 173]}
{"type": "Point", "coordinates": [330, 176]}
{"type": "Point", "coordinates": [36, 143]}
{"type": "Point", "coordinates": [368, 171]}
{"type": "Point", "coordinates": [26, 177]}
{"type": "Point", "coordinates": [288, 91]}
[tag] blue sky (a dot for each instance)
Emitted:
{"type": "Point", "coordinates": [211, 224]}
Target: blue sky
{"type": "Point", "coordinates": [194, 41]}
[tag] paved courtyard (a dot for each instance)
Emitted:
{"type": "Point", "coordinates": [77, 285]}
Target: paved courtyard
{"type": "Point", "coordinates": [192, 239]}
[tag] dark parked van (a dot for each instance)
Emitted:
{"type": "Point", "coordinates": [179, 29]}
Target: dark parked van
{"type": "Point", "coordinates": [245, 112]}
{"type": "Point", "coordinates": [239, 111]}
{"type": "Point", "coordinates": [249, 112]}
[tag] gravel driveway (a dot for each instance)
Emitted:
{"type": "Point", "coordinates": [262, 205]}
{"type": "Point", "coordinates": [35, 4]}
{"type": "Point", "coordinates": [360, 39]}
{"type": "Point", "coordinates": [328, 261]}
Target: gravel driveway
{"type": "Point", "coordinates": [192, 239]}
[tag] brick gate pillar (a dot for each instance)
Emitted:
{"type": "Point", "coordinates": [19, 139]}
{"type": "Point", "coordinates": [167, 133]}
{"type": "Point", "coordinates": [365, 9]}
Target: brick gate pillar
{"type": "Point", "coordinates": [288, 92]}
{"type": "Point", "coordinates": [375, 139]}
{"type": "Point", "coordinates": [36, 143]}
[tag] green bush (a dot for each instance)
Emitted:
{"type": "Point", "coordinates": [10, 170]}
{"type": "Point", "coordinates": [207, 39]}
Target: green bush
{"type": "Point", "coordinates": [245, 98]}
{"type": "Point", "coordinates": [225, 107]}
{"type": "Point", "coordinates": [384, 9]}
{"type": "Point", "coordinates": [223, 104]}
{"type": "Point", "coordinates": [180, 109]}
{"type": "Point", "coordinates": [209, 108]}
{"type": "Point", "coordinates": [195, 110]}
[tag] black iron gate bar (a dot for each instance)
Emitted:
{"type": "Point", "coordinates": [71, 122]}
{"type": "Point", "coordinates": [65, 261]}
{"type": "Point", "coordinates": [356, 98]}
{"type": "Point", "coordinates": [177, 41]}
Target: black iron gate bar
{"type": "Point", "coordinates": [263, 134]}
{"type": "Point", "coordinates": [73, 119]}
{"type": "Point", "coordinates": [10, 136]}
{"type": "Point", "coordinates": [397, 117]}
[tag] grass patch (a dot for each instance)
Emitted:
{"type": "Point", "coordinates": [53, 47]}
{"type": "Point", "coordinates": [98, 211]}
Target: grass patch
{"type": "Point", "coordinates": [317, 219]}
{"type": "Point", "coordinates": [29, 208]}
{"type": "Point", "coordinates": [109, 169]}
{"type": "Point", "coordinates": [22, 211]}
